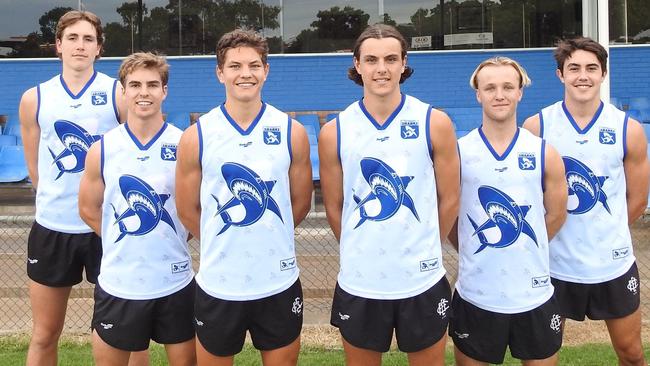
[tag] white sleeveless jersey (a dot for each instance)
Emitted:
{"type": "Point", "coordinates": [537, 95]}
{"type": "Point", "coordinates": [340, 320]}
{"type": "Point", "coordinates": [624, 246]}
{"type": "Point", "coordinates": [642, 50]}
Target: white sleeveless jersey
{"type": "Point", "coordinates": [247, 243]}
{"type": "Point", "coordinates": [594, 244]}
{"type": "Point", "coordinates": [145, 252]}
{"type": "Point", "coordinates": [503, 244]}
{"type": "Point", "coordinates": [69, 125]}
{"type": "Point", "coordinates": [390, 240]}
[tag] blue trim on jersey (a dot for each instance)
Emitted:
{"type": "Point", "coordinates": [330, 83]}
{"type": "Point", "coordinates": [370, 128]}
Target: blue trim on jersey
{"type": "Point", "coordinates": [575, 124]}
{"type": "Point", "coordinates": [198, 130]}
{"type": "Point", "coordinates": [428, 128]}
{"type": "Point", "coordinates": [289, 139]}
{"type": "Point", "coordinates": [460, 162]}
{"type": "Point", "coordinates": [541, 124]}
{"type": "Point", "coordinates": [494, 153]}
{"type": "Point", "coordinates": [250, 128]}
{"type": "Point", "coordinates": [101, 161]}
{"type": "Point", "coordinates": [38, 102]}
{"type": "Point", "coordinates": [390, 118]}
{"type": "Point", "coordinates": [83, 90]}
{"type": "Point", "coordinates": [543, 161]}
{"type": "Point", "coordinates": [338, 138]}
{"type": "Point", "coordinates": [117, 113]}
{"type": "Point", "coordinates": [627, 116]}
{"type": "Point", "coordinates": [151, 142]}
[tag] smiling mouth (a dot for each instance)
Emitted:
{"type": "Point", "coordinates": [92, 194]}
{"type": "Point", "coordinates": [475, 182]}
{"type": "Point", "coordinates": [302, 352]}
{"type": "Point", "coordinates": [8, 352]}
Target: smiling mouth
{"type": "Point", "coordinates": [144, 104]}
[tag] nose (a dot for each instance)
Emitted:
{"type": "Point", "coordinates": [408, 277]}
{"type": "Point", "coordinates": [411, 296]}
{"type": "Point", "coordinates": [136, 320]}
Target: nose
{"type": "Point", "coordinates": [499, 94]}
{"type": "Point", "coordinates": [381, 66]}
{"type": "Point", "coordinates": [245, 71]}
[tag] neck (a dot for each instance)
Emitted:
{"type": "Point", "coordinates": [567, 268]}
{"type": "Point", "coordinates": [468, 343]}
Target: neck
{"type": "Point", "coordinates": [144, 129]}
{"type": "Point", "coordinates": [76, 80]}
{"type": "Point", "coordinates": [381, 107]}
{"type": "Point", "coordinates": [582, 112]}
{"type": "Point", "coordinates": [499, 134]}
{"type": "Point", "coordinates": [243, 112]}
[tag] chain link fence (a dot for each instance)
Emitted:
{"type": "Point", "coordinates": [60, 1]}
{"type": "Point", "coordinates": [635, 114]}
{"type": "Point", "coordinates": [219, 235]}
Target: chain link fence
{"type": "Point", "coordinates": [317, 251]}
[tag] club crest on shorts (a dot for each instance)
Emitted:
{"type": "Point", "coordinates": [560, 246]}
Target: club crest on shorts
{"type": "Point", "coordinates": [272, 135]}
{"type": "Point", "coordinates": [76, 142]}
{"type": "Point", "coordinates": [168, 152]}
{"type": "Point", "coordinates": [584, 185]}
{"type": "Point", "coordinates": [248, 190]}
{"type": "Point", "coordinates": [607, 136]}
{"type": "Point", "coordinates": [410, 129]}
{"type": "Point", "coordinates": [387, 187]}
{"type": "Point", "coordinates": [527, 161]}
{"type": "Point", "coordinates": [99, 98]}
{"type": "Point", "coordinates": [505, 215]}
{"type": "Point", "coordinates": [144, 203]}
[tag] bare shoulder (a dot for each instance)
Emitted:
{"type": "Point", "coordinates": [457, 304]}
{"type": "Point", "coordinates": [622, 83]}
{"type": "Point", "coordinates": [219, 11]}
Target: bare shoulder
{"type": "Point", "coordinates": [532, 124]}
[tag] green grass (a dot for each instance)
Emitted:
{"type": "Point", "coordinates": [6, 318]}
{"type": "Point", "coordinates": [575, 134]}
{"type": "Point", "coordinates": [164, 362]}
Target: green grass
{"type": "Point", "coordinates": [76, 353]}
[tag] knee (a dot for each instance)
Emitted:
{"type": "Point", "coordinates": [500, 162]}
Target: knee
{"type": "Point", "coordinates": [631, 354]}
{"type": "Point", "coordinates": [45, 338]}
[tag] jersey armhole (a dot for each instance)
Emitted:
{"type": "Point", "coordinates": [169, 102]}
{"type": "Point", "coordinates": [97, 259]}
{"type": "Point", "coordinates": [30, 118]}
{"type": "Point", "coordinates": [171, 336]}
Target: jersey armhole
{"type": "Point", "coordinates": [38, 102]}
{"type": "Point", "coordinates": [101, 159]}
{"type": "Point", "coordinates": [200, 135]}
{"type": "Point", "coordinates": [627, 116]}
{"type": "Point", "coordinates": [338, 138]}
{"type": "Point", "coordinates": [543, 164]}
{"type": "Point", "coordinates": [289, 139]}
{"type": "Point", "coordinates": [541, 124]}
{"type": "Point", "coordinates": [117, 113]}
{"type": "Point", "coordinates": [428, 132]}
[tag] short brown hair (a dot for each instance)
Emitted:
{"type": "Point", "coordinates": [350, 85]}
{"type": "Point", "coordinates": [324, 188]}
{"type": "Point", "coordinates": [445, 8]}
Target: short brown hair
{"type": "Point", "coordinates": [524, 80]}
{"type": "Point", "coordinates": [144, 60]}
{"type": "Point", "coordinates": [74, 16]}
{"type": "Point", "coordinates": [378, 31]}
{"type": "Point", "coordinates": [565, 48]}
{"type": "Point", "coordinates": [241, 38]}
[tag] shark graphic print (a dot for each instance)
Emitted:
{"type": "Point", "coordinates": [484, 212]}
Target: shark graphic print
{"type": "Point", "coordinates": [249, 191]}
{"type": "Point", "coordinates": [76, 142]}
{"type": "Point", "coordinates": [504, 215]}
{"type": "Point", "coordinates": [584, 185]}
{"type": "Point", "coordinates": [386, 187]}
{"type": "Point", "coordinates": [144, 203]}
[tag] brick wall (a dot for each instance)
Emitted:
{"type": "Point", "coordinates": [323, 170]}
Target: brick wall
{"type": "Point", "coordinates": [319, 82]}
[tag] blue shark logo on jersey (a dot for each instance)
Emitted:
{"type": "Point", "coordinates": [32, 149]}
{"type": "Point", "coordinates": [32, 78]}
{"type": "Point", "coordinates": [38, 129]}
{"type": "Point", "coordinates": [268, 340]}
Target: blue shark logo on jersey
{"type": "Point", "coordinates": [248, 190]}
{"type": "Point", "coordinates": [272, 135]}
{"type": "Point", "coordinates": [385, 186]}
{"type": "Point", "coordinates": [504, 214]}
{"type": "Point", "coordinates": [76, 142]}
{"type": "Point", "coordinates": [585, 185]}
{"type": "Point", "coordinates": [607, 136]}
{"type": "Point", "coordinates": [99, 98]}
{"type": "Point", "coordinates": [527, 161]}
{"type": "Point", "coordinates": [168, 152]}
{"type": "Point", "coordinates": [410, 129]}
{"type": "Point", "coordinates": [144, 203]}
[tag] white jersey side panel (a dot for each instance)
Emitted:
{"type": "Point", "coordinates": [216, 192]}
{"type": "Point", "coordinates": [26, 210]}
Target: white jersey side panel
{"type": "Point", "coordinates": [69, 125]}
{"type": "Point", "coordinates": [390, 240]}
{"type": "Point", "coordinates": [594, 244]}
{"type": "Point", "coordinates": [145, 252]}
{"type": "Point", "coordinates": [503, 244]}
{"type": "Point", "coordinates": [247, 242]}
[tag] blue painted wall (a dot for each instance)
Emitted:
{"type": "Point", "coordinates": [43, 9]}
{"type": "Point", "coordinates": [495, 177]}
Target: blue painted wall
{"type": "Point", "coordinates": [319, 82]}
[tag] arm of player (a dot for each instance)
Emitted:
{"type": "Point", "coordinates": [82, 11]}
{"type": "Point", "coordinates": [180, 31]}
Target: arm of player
{"type": "Point", "coordinates": [446, 165]}
{"type": "Point", "coordinates": [300, 183]}
{"type": "Point", "coordinates": [31, 132]}
{"type": "Point", "coordinates": [453, 235]}
{"type": "Point", "coordinates": [331, 177]}
{"type": "Point", "coordinates": [532, 124]}
{"type": "Point", "coordinates": [637, 171]}
{"type": "Point", "coordinates": [555, 192]}
{"type": "Point", "coordinates": [120, 101]}
{"type": "Point", "coordinates": [188, 181]}
{"type": "Point", "coordinates": [91, 190]}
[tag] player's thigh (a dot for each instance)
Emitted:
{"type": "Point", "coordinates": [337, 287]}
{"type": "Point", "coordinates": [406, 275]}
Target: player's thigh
{"type": "Point", "coordinates": [625, 332]}
{"type": "Point", "coordinates": [181, 354]}
{"type": "Point", "coordinates": [49, 306]}
{"type": "Point", "coordinates": [107, 355]}
{"type": "Point", "coordinates": [283, 356]}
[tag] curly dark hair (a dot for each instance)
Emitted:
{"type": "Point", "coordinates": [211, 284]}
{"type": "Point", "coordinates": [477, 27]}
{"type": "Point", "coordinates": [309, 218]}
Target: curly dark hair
{"type": "Point", "coordinates": [567, 47]}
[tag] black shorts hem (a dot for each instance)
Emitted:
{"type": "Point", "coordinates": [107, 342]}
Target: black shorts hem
{"type": "Point", "coordinates": [262, 348]}
{"type": "Point", "coordinates": [54, 283]}
{"type": "Point", "coordinates": [126, 346]}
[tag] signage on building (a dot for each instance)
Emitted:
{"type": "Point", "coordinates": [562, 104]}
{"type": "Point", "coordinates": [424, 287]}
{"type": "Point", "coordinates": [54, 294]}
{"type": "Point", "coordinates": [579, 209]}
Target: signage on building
{"type": "Point", "coordinates": [421, 42]}
{"type": "Point", "coordinates": [468, 38]}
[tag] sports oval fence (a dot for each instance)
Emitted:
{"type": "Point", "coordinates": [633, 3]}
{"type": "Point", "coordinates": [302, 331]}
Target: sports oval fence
{"type": "Point", "coordinates": [317, 252]}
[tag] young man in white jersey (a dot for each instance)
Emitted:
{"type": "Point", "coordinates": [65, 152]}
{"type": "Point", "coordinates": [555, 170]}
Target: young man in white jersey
{"type": "Point", "coordinates": [390, 179]}
{"type": "Point", "coordinates": [513, 199]}
{"type": "Point", "coordinates": [593, 267]}
{"type": "Point", "coordinates": [60, 119]}
{"type": "Point", "coordinates": [145, 289]}
{"type": "Point", "coordinates": [243, 182]}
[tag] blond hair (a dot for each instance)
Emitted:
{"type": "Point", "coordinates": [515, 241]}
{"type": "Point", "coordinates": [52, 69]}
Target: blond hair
{"type": "Point", "coordinates": [145, 60]}
{"type": "Point", "coordinates": [524, 80]}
